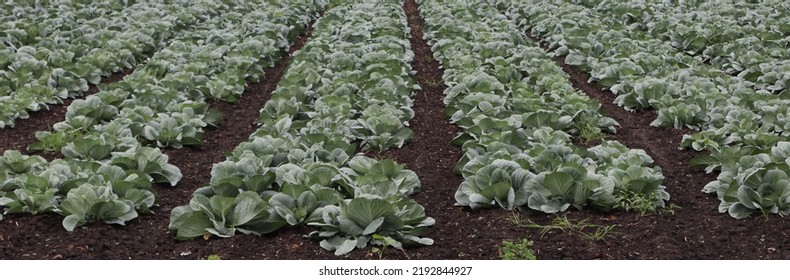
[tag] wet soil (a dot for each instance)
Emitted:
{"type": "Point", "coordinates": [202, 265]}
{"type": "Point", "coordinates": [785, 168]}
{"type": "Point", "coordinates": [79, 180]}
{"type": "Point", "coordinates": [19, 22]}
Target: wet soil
{"type": "Point", "coordinates": [23, 133]}
{"type": "Point", "coordinates": [694, 231]}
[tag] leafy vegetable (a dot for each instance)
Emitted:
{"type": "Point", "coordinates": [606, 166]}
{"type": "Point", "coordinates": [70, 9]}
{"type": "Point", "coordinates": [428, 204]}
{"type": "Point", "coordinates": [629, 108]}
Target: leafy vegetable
{"type": "Point", "coordinates": [88, 203]}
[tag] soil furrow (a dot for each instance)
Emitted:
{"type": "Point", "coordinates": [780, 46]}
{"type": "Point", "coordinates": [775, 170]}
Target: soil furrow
{"type": "Point", "coordinates": [147, 237]}
{"type": "Point", "coordinates": [635, 131]}
{"type": "Point", "coordinates": [459, 233]}
{"type": "Point", "coordinates": [238, 123]}
{"type": "Point", "coordinates": [696, 230]}
{"type": "Point", "coordinates": [24, 131]}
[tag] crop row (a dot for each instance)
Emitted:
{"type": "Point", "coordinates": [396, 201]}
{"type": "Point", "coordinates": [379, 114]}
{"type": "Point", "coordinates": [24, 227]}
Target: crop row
{"type": "Point", "coordinates": [519, 112]}
{"type": "Point", "coordinates": [28, 23]}
{"type": "Point", "coordinates": [351, 81]}
{"type": "Point", "coordinates": [743, 39]}
{"type": "Point", "coordinates": [107, 169]}
{"type": "Point", "coordinates": [62, 62]}
{"type": "Point", "coordinates": [743, 129]}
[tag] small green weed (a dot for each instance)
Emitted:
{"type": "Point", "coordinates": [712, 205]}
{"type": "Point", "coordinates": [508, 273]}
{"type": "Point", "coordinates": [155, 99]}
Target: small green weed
{"type": "Point", "coordinates": [521, 250]}
{"type": "Point", "coordinates": [384, 242]}
{"type": "Point", "coordinates": [582, 228]}
{"type": "Point", "coordinates": [431, 82]}
{"type": "Point", "coordinates": [428, 59]}
{"type": "Point", "coordinates": [643, 203]}
{"type": "Point", "coordinates": [589, 131]}
{"type": "Point", "coordinates": [335, 3]}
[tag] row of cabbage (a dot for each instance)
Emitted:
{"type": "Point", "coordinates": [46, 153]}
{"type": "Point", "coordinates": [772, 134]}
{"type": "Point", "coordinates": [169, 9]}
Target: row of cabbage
{"type": "Point", "coordinates": [63, 62]}
{"type": "Point", "coordinates": [30, 184]}
{"type": "Point", "coordinates": [352, 81]}
{"type": "Point", "coordinates": [25, 23]}
{"type": "Point", "coordinates": [518, 110]}
{"type": "Point", "coordinates": [749, 40]}
{"type": "Point", "coordinates": [107, 168]}
{"type": "Point", "coordinates": [743, 129]}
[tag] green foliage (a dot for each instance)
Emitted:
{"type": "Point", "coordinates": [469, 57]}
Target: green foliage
{"type": "Point", "coordinates": [223, 216]}
{"type": "Point", "coordinates": [384, 241]}
{"type": "Point", "coordinates": [17, 163]}
{"type": "Point", "coordinates": [642, 203]}
{"type": "Point", "coordinates": [520, 250]}
{"type": "Point", "coordinates": [88, 203]}
{"type": "Point", "coordinates": [353, 224]}
{"type": "Point", "coordinates": [751, 180]}
{"type": "Point", "coordinates": [584, 229]}
{"type": "Point", "coordinates": [590, 132]}
{"type": "Point", "coordinates": [105, 166]}
{"type": "Point", "coordinates": [174, 131]}
{"type": "Point", "coordinates": [301, 165]}
{"type": "Point", "coordinates": [369, 174]}
{"type": "Point", "coordinates": [727, 85]}
{"type": "Point", "coordinates": [150, 161]}
{"type": "Point", "coordinates": [381, 128]}
{"type": "Point", "coordinates": [49, 61]}
{"type": "Point", "coordinates": [294, 204]}
{"type": "Point", "coordinates": [556, 191]}
{"type": "Point", "coordinates": [229, 178]}
{"type": "Point", "coordinates": [518, 109]}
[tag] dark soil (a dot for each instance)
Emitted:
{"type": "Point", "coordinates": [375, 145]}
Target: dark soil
{"type": "Point", "coordinates": [238, 123]}
{"type": "Point", "coordinates": [695, 230]}
{"type": "Point", "coordinates": [459, 233]}
{"type": "Point", "coordinates": [24, 131]}
{"type": "Point", "coordinates": [147, 237]}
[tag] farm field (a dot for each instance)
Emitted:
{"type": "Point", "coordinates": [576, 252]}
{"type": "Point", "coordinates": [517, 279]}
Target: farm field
{"type": "Point", "coordinates": [417, 129]}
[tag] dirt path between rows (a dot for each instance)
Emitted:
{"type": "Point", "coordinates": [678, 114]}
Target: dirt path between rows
{"type": "Point", "coordinates": [147, 237]}
{"type": "Point", "coordinates": [459, 233]}
{"type": "Point", "coordinates": [696, 230]}
{"type": "Point", "coordinates": [24, 131]}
